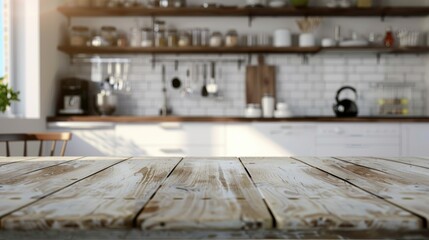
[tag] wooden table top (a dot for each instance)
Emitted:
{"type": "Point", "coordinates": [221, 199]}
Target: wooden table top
{"type": "Point", "coordinates": [129, 198]}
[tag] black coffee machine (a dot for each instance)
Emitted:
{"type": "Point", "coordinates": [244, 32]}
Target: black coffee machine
{"type": "Point", "coordinates": [73, 99]}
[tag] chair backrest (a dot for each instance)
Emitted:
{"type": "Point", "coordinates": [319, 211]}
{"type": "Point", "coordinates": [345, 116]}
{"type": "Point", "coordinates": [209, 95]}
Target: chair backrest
{"type": "Point", "coordinates": [41, 137]}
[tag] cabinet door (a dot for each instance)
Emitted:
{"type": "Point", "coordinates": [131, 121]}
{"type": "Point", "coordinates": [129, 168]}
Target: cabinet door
{"type": "Point", "coordinates": [170, 139]}
{"type": "Point", "coordinates": [88, 139]}
{"type": "Point", "coordinates": [415, 140]}
{"type": "Point", "coordinates": [359, 139]}
{"type": "Point", "coordinates": [271, 139]}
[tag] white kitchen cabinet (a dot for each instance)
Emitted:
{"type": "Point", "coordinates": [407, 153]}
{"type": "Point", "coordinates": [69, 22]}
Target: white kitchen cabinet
{"type": "Point", "coordinates": [271, 139]}
{"type": "Point", "coordinates": [415, 139]}
{"type": "Point", "coordinates": [88, 139]}
{"type": "Point", "coordinates": [358, 139]}
{"type": "Point", "coordinates": [171, 139]}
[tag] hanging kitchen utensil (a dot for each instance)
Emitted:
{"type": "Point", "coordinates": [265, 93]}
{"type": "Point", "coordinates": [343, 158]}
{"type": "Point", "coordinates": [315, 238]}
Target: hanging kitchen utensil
{"type": "Point", "coordinates": [212, 87]}
{"type": "Point", "coordinates": [204, 92]}
{"type": "Point", "coordinates": [188, 89]}
{"type": "Point", "coordinates": [260, 80]}
{"type": "Point", "coordinates": [176, 83]}
{"type": "Point", "coordinates": [346, 107]}
{"type": "Point", "coordinates": [110, 77]}
{"type": "Point", "coordinates": [165, 109]}
{"type": "Point", "coordinates": [126, 85]}
{"type": "Point", "coordinates": [119, 82]}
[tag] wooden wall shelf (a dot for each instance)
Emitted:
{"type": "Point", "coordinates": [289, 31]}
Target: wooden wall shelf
{"type": "Point", "coordinates": [239, 50]}
{"type": "Point", "coordinates": [251, 12]}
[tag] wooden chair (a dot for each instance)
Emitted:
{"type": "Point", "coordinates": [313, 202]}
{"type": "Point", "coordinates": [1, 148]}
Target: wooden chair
{"type": "Point", "coordinates": [41, 137]}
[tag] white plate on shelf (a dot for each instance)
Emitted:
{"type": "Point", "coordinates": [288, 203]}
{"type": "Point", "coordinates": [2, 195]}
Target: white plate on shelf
{"type": "Point", "coordinates": [354, 43]}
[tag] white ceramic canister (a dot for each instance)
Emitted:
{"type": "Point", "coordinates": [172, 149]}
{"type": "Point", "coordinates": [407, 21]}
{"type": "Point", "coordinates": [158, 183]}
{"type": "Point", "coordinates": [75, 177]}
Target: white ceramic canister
{"type": "Point", "coordinates": [307, 40]}
{"type": "Point", "coordinates": [282, 38]}
{"type": "Point", "coordinates": [268, 104]}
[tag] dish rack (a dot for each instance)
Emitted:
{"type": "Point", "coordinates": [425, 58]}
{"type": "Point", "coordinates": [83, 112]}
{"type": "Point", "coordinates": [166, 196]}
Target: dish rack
{"type": "Point", "coordinates": [397, 99]}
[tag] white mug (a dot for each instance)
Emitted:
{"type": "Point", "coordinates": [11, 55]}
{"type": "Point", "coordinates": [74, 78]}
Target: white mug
{"type": "Point", "coordinates": [282, 38]}
{"type": "Point", "coordinates": [268, 104]}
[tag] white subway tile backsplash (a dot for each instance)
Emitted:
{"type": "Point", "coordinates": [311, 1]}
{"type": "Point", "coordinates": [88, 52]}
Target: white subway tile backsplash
{"type": "Point", "coordinates": [308, 89]}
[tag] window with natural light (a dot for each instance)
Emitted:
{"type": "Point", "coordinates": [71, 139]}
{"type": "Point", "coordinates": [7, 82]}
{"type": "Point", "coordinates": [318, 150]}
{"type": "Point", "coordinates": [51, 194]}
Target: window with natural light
{"type": "Point", "coordinates": [3, 39]}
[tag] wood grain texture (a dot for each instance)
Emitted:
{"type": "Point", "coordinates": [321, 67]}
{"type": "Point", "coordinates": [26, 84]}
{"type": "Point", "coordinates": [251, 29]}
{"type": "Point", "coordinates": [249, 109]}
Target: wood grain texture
{"type": "Point", "coordinates": [30, 165]}
{"type": "Point", "coordinates": [414, 161]}
{"type": "Point", "coordinates": [215, 194]}
{"type": "Point", "coordinates": [107, 200]}
{"type": "Point", "coordinates": [403, 170]}
{"type": "Point", "coordinates": [260, 80]}
{"type": "Point", "coordinates": [303, 197]}
{"type": "Point", "coordinates": [10, 160]}
{"type": "Point", "coordinates": [397, 187]}
{"type": "Point", "coordinates": [17, 192]}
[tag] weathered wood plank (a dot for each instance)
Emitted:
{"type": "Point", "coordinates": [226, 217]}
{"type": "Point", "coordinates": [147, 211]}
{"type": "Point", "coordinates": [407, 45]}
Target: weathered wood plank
{"type": "Point", "coordinates": [20, 191]}
{"type": "Point", "coordinates": [410, 194]}
{"type": "Point", "coordinates": [30, 165]}
{"type": "Point", "coordinates": [110, 199]}
{"type": "Point", "coordinates": [411, 172]}
{"type": "Point", "coordinates": [415, 161]}
{"type": "Point", "coordinates": [303, 197]}
{"type": "Point", "coordinates": [10, 160]}
{"type": "Point", "coordinates": [209, 194]}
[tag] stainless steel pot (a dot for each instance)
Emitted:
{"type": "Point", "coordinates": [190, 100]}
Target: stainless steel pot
{"type": "Point", "coordinates": [105, 103]}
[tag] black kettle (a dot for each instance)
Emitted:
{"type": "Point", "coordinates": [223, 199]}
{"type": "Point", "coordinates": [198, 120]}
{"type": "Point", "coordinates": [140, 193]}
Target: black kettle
{"type": "Point", "coordinates": [345, 107]}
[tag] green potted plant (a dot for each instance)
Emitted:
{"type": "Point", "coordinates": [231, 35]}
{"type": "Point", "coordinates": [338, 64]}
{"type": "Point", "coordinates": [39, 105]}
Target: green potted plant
{"type": "Point", "coordinates": [7, 95]}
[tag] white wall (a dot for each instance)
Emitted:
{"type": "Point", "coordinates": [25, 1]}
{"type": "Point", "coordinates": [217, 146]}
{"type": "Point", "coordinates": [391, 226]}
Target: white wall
{"type": "Point", "coordinates": [39, 32]}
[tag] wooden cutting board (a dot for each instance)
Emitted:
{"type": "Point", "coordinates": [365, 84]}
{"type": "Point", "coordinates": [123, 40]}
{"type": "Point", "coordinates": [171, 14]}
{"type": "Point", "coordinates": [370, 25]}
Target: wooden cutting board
{"type": "Point", "coordinates": [260, 80]}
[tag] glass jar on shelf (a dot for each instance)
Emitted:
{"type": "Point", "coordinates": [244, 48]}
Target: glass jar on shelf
{"type": "Point", "coordinates": [184, 39]}
{"type": "Point", "coordinates": [216, 39]}
{"type": "Point", "coordinates": [231, 38]}
{"type": "Point", "coordinates": [135, 37]}
{"type": "Point", "coordinates": [79, 36]}
{"type": "Point", "coordinates": [172, 38]}
{"type": "Point", "coordinates": [205, 37]}
{"type": "Point", "coordinates": [147, 37]}
{"type": "Point", "coordinates": [160, 39]}
{"type": "Point", "coordinates": [152, 3]}
{"type": "Point", "coordinates": [110, 34]}
{"type": "Point", "coordinates": [179, 3]}
{"type": "Point", "coordinates": [196, 37]}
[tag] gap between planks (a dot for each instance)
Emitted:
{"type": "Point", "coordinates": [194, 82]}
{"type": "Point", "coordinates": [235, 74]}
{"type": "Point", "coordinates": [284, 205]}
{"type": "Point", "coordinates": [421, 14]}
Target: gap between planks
{"type": "Point", "coordinates": [303, 197]}
{"type": "Point", "coordinates": [306, 160]}
{"type": "Point", "coordinates": [274, 221]}
{"type": "Point", "coordinates": [135, 220]}
{"type": "Point", "coordinates": [58, 189]}
{"type": "Point", "coordinates": [414, 161]}
{"type": "Point", "coordinates": [112, 198]}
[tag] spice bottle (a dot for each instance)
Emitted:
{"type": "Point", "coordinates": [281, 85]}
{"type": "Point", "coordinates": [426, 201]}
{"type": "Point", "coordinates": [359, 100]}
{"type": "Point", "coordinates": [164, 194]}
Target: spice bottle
{"type": "Point", "coordinates": [389, 40]}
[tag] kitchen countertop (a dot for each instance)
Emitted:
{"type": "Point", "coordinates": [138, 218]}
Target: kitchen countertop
{"type": "Point", "coordinates": [147, 119]}
{"type": "Point", "coordinates": [216, 198]}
